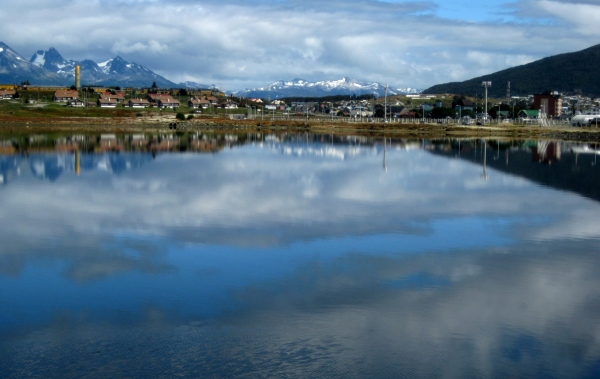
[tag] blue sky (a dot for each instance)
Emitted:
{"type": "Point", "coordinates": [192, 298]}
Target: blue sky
{"type": "Point", "coordinates": [467, 10]}
{"type": "Point", "coordinates": [477, 11]}
{"type": "Point", "coordinates": [237, 45]}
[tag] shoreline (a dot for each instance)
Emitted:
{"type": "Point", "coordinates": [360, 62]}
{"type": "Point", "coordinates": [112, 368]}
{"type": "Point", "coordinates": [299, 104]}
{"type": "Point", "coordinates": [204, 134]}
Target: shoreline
{"type": "Point", "coordinates": [160, 124]}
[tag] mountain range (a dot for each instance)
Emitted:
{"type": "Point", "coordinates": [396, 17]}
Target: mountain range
{"type": "Point", "coordinates": [303, 88]}
{"type": "Point", "coordinates": [567, 73]}
{"type": "Point", "coordinates": [15, 69]}
{"type": "Point", "coordinates": [51, 68]}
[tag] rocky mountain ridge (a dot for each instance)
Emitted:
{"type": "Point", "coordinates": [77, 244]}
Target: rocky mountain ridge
{"type": "Point", "coordinates": [51, 68]}
{"type": "Point", "coordinates": [344, 86]}
{"type": "Point", "coordinates": [115, 71]}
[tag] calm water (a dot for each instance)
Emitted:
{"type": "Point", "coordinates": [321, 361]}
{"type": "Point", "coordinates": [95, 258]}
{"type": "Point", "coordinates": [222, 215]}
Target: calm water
{"type": "Point", "coordinates": [298, 256]}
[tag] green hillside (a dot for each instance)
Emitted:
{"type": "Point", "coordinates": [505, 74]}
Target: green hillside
{"type": "Point", "coordinates": [567, 73]}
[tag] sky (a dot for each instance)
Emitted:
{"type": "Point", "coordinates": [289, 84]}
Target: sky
{"type": "Point", "coordinates": [236, 45]}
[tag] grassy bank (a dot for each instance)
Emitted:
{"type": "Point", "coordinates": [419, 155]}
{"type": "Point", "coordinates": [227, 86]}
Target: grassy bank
{"type": "Point", "coordinates": [16, 118]}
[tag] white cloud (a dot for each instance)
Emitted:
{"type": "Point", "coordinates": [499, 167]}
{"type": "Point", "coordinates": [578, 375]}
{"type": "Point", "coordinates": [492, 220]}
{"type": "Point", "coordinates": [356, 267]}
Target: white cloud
{"type": "Point", "coordinates": [583, 16]}
{"type": "Point", "coordinates": [238, 45]}
{"type": "Point", "coordinates": [123, 46]}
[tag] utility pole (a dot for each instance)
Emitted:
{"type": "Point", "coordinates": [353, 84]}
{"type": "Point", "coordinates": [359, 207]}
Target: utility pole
{"type": "Point", "coordinates": [385, 104]}
{"type": "Point", "coordinates": [486, 85]}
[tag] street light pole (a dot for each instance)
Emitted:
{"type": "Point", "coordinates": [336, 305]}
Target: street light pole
{"type": "Point", "coordinates": [385, 105]}
{"type": "Point", "coordinates": [486, 85]}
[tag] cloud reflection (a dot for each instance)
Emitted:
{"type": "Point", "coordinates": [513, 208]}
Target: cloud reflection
{"type": "Point", "coordinates": [253, 196]}
{"type": "Point", "coordinates": [279, 263]}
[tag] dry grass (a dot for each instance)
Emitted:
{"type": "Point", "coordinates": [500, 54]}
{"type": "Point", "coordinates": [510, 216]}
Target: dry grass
{"type": "Point", "coordinates": [126, 121]}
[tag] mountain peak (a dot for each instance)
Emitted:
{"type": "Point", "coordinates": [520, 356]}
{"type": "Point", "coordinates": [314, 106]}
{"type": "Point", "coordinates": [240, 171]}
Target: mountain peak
{"type": "Point", "coordinates": [303, 88]}
{"type": "Point", "coordinates": [14, 68]}
{"type": "Point", "coordinates": [49, 67]}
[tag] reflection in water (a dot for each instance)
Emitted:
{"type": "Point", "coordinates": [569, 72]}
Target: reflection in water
{"type": "Point", "coordinates": [297, 255]}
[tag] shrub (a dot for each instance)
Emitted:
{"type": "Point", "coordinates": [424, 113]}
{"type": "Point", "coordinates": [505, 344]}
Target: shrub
{"type": "Point", "coordinates": [190, 116]}
{"type": "Point", "coordinates": [180, 116]}
{"type": "Point", "coordinates": [139, 114]}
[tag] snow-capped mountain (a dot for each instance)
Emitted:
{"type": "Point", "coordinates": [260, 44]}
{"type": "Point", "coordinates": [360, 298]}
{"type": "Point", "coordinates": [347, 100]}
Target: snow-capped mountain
{"type": "Point", "coordinates": [115, 71]}
{"type": "Point", "coordinates": [303, 88]}
{"type": "Point", "coordinates": [194, 85]}
{"type": "Point", "coordinates": [51, 60]}
{"type": "Point", "coordinates": [16, 69]}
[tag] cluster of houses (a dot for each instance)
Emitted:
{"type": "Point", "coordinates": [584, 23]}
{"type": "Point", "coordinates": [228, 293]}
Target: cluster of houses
{"type": "Point", "coordinates": [111, 99]}
{"type": "Point", "coordinates": [551, 104]}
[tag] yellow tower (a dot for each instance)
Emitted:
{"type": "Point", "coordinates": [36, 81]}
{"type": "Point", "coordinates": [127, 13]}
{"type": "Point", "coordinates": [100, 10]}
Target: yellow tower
{"type": "Point", "coordinates": [77, 162]}
{"type": "Point", "coordinates": [78, 77]}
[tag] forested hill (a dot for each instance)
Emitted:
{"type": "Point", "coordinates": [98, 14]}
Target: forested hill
{"type": "Point", "coordinates": [567, 73]}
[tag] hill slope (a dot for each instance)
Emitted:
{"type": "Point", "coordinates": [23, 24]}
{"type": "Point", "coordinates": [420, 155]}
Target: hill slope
{"type": "Point", "coordinates": [565, 73]}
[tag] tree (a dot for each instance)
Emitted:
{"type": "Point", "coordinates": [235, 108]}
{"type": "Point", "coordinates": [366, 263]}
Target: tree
{"type": "Point", "coordinates": [183, 92]}
{"type": "Point", "coordinates": [154, 86]}
{"type": "Point", "coordinates": [443, 112]}
{"type": "Point", "coordinates": [467, 112]}
{"type": "Point", "coordinates": [25, 83]}
{"type": "Point", "coordinates": [73, 88]}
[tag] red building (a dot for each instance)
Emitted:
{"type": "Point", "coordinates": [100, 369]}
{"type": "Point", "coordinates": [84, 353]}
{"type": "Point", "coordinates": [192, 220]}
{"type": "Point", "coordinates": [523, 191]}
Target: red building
{"type": "Point", "coordinates": [550, 103]}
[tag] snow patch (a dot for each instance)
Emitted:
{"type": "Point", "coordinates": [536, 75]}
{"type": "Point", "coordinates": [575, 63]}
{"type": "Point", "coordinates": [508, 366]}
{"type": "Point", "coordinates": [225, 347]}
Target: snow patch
{"type": "Point", "coordinates": [1, 49]}
{"type": "Point", "coordinates": [39, 60]}
{"type": "Point", "coordinates": [343, 85]}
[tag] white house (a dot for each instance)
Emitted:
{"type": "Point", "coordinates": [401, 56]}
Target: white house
{"type": "Point", "coordinates": [138, 103]}
{"type": "Point", "coordinates": [107, 103]}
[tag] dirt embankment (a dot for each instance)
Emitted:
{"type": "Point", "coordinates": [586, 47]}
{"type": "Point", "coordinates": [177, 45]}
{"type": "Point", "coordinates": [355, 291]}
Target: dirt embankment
{"type": "Point", "coordinates": [164, 123]}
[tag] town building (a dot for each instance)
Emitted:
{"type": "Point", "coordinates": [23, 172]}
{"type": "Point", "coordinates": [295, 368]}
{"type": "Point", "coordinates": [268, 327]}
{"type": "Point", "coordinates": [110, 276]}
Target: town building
{"type": "Point", "coordinates": [7, 94]}
{"type": "Point", "coordinates": [196, 103]}
{"type": "Point", "coordinates": [75, 103]}
{"type": "Point", "coordinates": [463, 104]}
{"type": "Point", "coordinates": [63, 96]}
{"type": "Point", "coordinates": [154, 97]}
{"type": "Point", "coordinates": [548, 103]}
{"type": "Point", "coordinates": [107, 103]}
{"type": "Point", "coordinates": [119, 96]}
{"type": "Point", "coordinates": [229, 104]}
{"type": "Point", "coordinates": [528, 114]}
{"type": "Point", "coordinates": [168, 102]}
{"type": "Point", "coordinates": [138, 103]}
